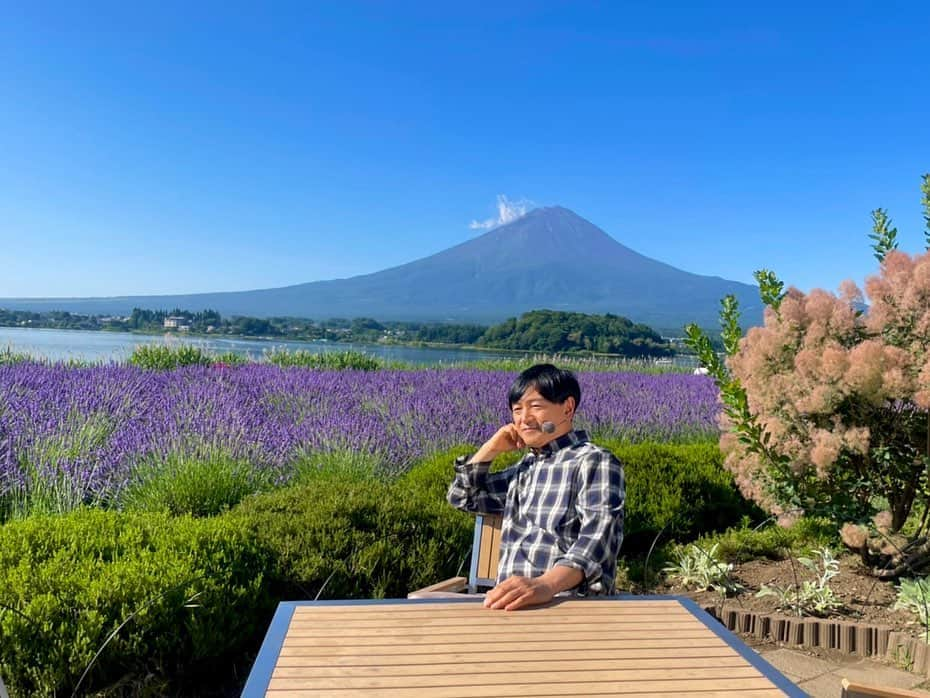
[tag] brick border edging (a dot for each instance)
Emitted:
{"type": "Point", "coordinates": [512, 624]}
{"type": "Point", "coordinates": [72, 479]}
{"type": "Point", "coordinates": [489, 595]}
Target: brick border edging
{"type": "Point", "coordinates": [849, 637]}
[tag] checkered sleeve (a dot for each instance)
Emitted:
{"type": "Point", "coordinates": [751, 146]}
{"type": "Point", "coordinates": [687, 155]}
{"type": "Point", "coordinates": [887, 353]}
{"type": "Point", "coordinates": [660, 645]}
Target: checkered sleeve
{"type": "Point", "coordinates": [599, 504]}
{"type": "Point", "coordinates": [478, 491]}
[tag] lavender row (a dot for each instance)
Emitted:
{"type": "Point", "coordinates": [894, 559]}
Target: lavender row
{"type": "Point", "coordinates": [91, 427]}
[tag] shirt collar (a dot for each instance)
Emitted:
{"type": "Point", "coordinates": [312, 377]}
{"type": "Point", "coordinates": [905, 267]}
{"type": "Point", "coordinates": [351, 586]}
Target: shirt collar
{"type": "Point", "coordinates": [572, 438]}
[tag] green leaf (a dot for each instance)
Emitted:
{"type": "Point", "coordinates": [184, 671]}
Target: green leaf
{"type": "Point", "coordinates": [883, 233]}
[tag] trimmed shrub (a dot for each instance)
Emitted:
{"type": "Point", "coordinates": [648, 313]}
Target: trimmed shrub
{"type": "Point", "coordinates": [189, 592]}
{"type": "Point", "coordinates": [427, 482]}
{"type": "Point", "coordinates": [197, 593]}
{"type": "Point", "coordinates": [678, 490]}
{"type": "Point", "coordinates": [428, 479]}
{"type": "Point", "coordinates": [338, 538]}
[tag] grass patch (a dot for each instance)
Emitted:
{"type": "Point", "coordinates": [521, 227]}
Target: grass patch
{"type": "Point", "coordinates": [162, 357]}
{"type": "Point", "coordinates": [770, 541]}
{"type": "Point", "coordinates": [355, 466]}
{"type": "Point", "coordinates": [336, 360]}
{"type": "Point", "coordinates": [8, 357]}
{"type": "Point", "coordinates": [198, 486]}
{"type": "Point", "coordinates": [230, 358]}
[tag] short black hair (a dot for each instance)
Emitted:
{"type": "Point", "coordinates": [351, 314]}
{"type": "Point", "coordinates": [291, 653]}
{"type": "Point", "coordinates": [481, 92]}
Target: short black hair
{"type": "Point", "coordinates": [554, 384]}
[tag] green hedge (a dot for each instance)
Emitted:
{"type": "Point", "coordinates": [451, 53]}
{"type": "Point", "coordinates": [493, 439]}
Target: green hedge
{"type": "Point", "coordinates": [66, 582]}
{"type": "Point", "coordinates": [355, 538]}
{"type": "Point", "coordinates": [191, 589]}
{"type": "Point", "coordinates": [677, 490]}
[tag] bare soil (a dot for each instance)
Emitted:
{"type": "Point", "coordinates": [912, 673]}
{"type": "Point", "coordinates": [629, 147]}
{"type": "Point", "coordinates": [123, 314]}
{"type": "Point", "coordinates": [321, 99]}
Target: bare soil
{"type": "Point", "coordinates": [865, 598]}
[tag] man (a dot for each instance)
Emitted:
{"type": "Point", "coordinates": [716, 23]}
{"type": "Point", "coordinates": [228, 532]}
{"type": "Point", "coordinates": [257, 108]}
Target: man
{"type": "Point", "coordinates": [562, 503]}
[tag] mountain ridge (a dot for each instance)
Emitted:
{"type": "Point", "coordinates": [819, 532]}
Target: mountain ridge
{"type": "Point", "coordinates": [549, 258]}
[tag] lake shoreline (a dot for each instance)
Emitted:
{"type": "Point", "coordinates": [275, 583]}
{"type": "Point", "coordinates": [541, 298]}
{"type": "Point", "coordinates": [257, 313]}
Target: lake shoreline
{"type": "Point", "coordinates": [102, 345]}
{"type": "Point", "coordinates": [62, 346]}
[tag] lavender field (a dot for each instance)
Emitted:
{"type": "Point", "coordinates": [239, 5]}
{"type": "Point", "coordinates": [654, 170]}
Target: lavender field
{"type": "Point", "coordinates": [84, 435]}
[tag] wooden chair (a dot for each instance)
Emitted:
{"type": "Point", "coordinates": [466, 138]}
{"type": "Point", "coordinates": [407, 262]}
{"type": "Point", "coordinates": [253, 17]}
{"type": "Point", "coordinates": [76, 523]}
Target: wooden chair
{"type": "Point", "coordinates": [859, 690]}
{"type": "Point", "coordinates": [485, 552]}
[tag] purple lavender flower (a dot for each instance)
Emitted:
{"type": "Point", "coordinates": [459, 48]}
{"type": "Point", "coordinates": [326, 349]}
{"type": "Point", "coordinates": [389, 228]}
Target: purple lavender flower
{"type": "Point", "coordinates": [87, 430]}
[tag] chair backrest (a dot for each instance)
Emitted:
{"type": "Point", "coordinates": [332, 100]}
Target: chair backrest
{"type": "Point", "coordinates": [859, 690]}
{"type": "Point", "coordinates": [485, 552]}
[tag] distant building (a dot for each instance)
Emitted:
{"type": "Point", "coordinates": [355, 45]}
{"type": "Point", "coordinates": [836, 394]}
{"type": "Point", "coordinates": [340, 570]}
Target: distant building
{"type": "Point", "coordinates": [176, 322]}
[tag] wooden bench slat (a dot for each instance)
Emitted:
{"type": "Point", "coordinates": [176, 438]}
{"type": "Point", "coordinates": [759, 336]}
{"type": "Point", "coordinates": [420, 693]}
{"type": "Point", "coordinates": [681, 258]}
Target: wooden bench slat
{"type": "Point", "coordinates": [521, 692]}
{"type": "Point", "coordinates": [581, 639]}
{"type": "Point", "coordinates": [493, 531]}
{"type": "Point", "coordinates": [474, 605]}
{"type": "Point", "coordinates": [484, 554]}
{"type": "Point", "coordinates": [493, 618]}
{"type": "Point", "coordinates": [858, 690]}
{"type": "Point", "coordinates": [453, 654]}
{"type": "Point", "coordinates": [618, 646]}
{"type": "Point", "coordinates": [541, 684]}
{"type": "Point", "coordinates": [566, 673]}
{"type": "Point", "coordinates": [487, 626]}
{"type": "Point", "coordinates": [309, 666]}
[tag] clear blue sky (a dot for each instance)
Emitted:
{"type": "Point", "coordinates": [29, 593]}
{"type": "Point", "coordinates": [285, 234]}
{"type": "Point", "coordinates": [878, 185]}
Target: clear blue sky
{"type": "Point", "coordinates": [229, 147]}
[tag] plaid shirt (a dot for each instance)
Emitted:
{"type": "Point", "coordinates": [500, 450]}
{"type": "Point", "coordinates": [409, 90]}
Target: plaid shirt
{"type": "Point", "coordinates": [562, 505]}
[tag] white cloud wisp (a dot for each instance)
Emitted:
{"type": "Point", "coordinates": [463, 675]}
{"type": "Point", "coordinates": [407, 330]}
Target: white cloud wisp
{"type": "Point", "coordinates": [507, 211]}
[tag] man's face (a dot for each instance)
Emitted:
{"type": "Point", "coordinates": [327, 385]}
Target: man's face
{"type": "Point", "coordinates": [533, 409]}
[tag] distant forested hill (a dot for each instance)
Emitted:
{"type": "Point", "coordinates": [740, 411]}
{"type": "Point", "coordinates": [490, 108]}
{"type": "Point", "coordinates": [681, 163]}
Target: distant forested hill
{"type": "Point", "coordinates": [555, 331]}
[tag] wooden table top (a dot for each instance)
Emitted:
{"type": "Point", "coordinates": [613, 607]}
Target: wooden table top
{"type": "Point", "coordinates": [631, 646]}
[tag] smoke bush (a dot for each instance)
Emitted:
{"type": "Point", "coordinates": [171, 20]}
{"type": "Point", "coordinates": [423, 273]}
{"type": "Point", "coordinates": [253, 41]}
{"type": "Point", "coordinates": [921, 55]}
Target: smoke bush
{"type": "Point", "coordinates": [840, 396]}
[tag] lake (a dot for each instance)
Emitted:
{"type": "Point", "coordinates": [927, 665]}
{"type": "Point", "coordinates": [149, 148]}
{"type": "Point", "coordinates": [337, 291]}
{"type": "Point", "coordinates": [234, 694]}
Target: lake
{"type": "Point", "coordinates": [61, 345]}
{"type": "Point", "coordinates": [58, 345]}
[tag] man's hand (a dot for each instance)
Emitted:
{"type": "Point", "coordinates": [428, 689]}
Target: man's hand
{"type": "Point", "coordinates": [505, 439]}
{"type": "Point", "coordinates": [518, 592]}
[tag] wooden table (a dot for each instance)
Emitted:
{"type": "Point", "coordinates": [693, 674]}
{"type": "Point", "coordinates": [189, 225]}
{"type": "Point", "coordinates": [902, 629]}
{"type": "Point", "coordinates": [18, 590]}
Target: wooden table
{"type": "Point", "coordinates": [615, 646]}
